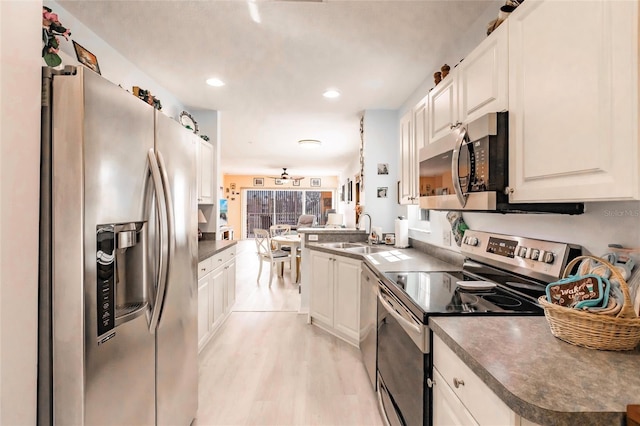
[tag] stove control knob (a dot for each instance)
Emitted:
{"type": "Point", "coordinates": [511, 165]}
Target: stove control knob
{"type": "Point", "coordinates": [472, 241]}
{"type": "Point", "coordinates": [522, 252]}
{"type": "Point", "coordinates": [534, 254]}
{"type": "Point", "coordinates": [548, 257]}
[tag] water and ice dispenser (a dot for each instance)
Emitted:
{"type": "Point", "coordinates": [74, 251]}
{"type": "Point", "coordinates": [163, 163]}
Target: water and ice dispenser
{"type": "Point", "coordinates": [122, 275]}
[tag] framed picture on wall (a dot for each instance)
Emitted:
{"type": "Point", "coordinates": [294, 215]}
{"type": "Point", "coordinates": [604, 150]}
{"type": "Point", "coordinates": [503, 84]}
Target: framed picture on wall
{"type": "Point", "coordinates": [342, 193]}
{"type": "Point", "coordinates": [258, 181]}
{"type": "Point", "coordinates": [383, 169]}
{"type": "Point", "coordinates": [382, 192]}
{"type": "Point", "coordinates": [314, 182]}
{"type": "Point", "coordinates": [349, 190]}
{"type": "Point", "coordinates": [86, 58]}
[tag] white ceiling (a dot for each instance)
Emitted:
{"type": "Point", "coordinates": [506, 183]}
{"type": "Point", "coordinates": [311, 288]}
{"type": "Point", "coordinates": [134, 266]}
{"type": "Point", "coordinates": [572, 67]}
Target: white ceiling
{"type": "Point", "coordinates": [376, 53]}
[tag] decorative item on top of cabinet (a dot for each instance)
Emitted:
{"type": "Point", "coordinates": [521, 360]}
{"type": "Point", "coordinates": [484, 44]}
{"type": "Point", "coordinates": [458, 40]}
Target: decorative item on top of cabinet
{"type": "Point", "coordinates": [445, 70]}
{"type": "Point", "coordinates": [51, 28]}
{"type": "Point", "coordinates": [146, 96]}
{"type": "Point", "coordinates": [188, 121]}
{"type": "Point", "coordinates": [437, 77]}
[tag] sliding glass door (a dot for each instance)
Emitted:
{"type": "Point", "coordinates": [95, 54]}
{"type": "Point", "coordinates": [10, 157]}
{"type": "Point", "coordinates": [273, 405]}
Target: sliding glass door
{"type": "Point", "coordinates": [284, 206]}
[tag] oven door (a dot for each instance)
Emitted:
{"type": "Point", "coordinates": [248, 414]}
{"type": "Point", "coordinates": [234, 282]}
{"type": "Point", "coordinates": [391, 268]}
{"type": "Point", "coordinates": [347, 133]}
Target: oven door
{"type": "Point", "coordinates": [402, 364]}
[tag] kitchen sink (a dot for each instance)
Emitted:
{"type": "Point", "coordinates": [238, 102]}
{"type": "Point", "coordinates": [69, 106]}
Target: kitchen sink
{"type": "Point", "coordinates": [365, 249]}
{"type": "Point", "coordinates": [342, 245]}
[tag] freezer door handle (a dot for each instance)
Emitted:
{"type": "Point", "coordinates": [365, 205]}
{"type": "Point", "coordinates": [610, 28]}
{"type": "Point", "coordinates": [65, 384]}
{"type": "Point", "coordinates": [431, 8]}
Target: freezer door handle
{"type": "Point", "coordinates": [171, 237]}
{"type": "Point", "coordinates": [163, 267]}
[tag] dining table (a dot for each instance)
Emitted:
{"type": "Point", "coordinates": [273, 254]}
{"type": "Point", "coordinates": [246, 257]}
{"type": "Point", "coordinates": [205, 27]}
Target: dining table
{"type": "Point", "coordinates": [292, 241]}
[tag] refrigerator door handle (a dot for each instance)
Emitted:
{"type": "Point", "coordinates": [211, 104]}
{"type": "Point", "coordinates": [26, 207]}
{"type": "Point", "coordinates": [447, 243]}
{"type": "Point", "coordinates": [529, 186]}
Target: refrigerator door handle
{"type": "Point", "coordinates": [163, 267]}
{"type": "Point", "coordinates": [170, 227]}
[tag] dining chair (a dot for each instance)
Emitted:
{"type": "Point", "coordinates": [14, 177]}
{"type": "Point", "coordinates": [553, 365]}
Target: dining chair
{"type": "Point", "coordinates": [279, 229]}
{"type": "Point", "coordinates": [305, 221]}
{"type": "Point", "coordinates": [275, 258]}
{"type": "Point", "coordinates": [276, 231]}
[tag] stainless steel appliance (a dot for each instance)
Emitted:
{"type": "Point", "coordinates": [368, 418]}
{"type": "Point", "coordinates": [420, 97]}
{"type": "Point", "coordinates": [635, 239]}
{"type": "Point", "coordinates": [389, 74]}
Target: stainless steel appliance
{"type": "Point", "coordinates": [118, 280]}
{"type": "Point", "coordinates": [368, 321]}
{"type": "Point", "coordinates": [472, 173]}
{"type": "Point", "coordinates": [502, 275]}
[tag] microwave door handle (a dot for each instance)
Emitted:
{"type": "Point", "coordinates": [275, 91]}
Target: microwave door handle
{"type": "Point", "coordinates": [164, 246]}
{"type": "Point", "coordinates": [455, 160]}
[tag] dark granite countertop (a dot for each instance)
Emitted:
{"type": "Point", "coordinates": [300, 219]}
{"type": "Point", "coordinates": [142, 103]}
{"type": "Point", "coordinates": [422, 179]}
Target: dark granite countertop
{"type": "Point", "coordinates": [207, 248]}
{"type": "Point", "coordinates": [540, 377]}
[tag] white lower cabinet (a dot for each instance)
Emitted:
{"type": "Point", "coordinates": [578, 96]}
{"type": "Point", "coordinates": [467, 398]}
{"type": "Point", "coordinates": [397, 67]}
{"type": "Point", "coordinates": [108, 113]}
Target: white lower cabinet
{"type": "Point", "coordinates": [216, 293]}
{"type": "Point", "coordinates": [335, 295]}
{"type": "Point", "coordinates": [447, 408]}
{"type": "Point", "coordinates": [460, 397]}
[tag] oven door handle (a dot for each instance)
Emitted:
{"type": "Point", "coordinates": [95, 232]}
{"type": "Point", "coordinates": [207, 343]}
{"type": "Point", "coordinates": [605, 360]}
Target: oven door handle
{"type": "Point", "coordinates": [397, 316]}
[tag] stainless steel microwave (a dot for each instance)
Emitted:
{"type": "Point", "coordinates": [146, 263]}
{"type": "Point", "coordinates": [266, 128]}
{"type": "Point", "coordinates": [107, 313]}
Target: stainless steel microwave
{"type": "Point", "coordinates": [469, 170]}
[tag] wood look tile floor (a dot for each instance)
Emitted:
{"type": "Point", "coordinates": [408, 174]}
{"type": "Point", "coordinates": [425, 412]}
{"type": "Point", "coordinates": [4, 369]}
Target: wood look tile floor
{"type": "Point", "coordinates": [267, 366]}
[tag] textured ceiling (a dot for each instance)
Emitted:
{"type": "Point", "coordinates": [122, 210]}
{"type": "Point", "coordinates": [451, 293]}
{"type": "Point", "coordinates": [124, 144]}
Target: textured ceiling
{"type": "Point", "coordinates": [376, 53]}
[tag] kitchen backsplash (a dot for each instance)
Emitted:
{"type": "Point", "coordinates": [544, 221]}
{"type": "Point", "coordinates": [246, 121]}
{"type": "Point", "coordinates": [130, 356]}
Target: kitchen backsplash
{"type": "Point", "coordinates": [601, 224]}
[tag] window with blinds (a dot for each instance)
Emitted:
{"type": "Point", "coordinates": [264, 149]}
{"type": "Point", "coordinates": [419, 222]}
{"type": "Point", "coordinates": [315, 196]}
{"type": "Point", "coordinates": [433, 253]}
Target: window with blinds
{"type": "Point", "coordinates": [270, 206]}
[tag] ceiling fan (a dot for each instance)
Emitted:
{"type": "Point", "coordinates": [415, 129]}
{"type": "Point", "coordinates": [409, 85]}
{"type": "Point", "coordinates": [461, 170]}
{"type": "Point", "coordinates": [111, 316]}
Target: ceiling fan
{"type": "Point", "coordinates": [286, 177]}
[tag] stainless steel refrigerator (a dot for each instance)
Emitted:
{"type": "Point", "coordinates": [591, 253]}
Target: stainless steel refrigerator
{"type": "Point", "coordinates": [118, 278]}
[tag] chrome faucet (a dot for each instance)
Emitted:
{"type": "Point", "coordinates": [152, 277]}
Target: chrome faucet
{"type": "Point", "coordinates": [369, 231]}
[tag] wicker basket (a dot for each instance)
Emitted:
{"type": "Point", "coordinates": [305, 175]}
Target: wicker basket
{"type": "Point", "coordinates": [595, 331]}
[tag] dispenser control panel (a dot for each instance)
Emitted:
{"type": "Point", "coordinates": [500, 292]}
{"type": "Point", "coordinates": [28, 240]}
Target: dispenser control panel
{"type": "Point", "coordinates": [105, 291]}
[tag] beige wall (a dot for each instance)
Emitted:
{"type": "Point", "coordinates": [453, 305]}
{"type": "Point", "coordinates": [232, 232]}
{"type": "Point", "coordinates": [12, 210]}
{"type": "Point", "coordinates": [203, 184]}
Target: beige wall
{"type": "Point", "coordinates": [20, 62]}
{"type": "Point", "coordinates": [241, 182]}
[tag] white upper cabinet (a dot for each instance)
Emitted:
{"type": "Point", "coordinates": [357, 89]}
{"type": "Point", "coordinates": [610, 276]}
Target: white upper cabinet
{"type": "Point", "coordinates": [573, 101]}
{"type": "Point", "coordinates": [408, 161]}
{"type": "Point", "coordinates": [206, 194]}
{"type": "Point", "coordinates": [483, 77]}
{"type": "Point", "coordinates": [443, 107]}
{"type": "Point", "coordinates": [420, 121]}
{"type": "Point", "coordinates": [477, 86]}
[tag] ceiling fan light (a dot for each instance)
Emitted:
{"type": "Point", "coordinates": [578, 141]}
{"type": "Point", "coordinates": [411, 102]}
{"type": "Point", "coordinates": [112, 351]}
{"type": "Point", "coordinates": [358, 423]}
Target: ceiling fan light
{"type": "Point", "coordinates": [309, 142]}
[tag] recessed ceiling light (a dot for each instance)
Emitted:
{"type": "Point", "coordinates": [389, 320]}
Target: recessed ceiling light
{"type": "Point", "coordinates": [215, 82]}
{"type": "Point", "coordinates": [309, 142]}
{"type": "Point", "coordinates": [331, 94]}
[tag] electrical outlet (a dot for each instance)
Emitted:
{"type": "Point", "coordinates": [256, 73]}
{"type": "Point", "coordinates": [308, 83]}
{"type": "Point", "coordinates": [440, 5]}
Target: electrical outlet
{"type": "Point", "coordinates": [446, 237]}
{"type": "Point", "coordinates": [313, 237]}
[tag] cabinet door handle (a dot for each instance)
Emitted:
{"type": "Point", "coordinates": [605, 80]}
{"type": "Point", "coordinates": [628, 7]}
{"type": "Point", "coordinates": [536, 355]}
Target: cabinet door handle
{"type": "Point", "coordinates": [457, 383]}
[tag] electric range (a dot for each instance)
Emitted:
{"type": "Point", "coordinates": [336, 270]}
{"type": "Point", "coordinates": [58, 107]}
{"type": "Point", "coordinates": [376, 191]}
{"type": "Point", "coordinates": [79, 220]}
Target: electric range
{"type": "Point", "coordinates": [501, 275]}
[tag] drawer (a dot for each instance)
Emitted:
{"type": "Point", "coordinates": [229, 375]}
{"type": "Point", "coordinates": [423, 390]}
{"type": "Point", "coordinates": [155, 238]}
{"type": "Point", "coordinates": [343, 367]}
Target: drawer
{"type": "Point", "coordinates": [228, 254]}
{"type": "Point", "coordinates": [205, 267]}
{"type": "Point", "coordinates": [484, 405]}
{"type": "Point", "coordinates": [215, 261]}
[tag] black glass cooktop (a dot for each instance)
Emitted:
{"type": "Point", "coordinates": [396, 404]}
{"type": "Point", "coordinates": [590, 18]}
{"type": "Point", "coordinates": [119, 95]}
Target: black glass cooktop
{"type": "Point", "coordinates": [438, 293]}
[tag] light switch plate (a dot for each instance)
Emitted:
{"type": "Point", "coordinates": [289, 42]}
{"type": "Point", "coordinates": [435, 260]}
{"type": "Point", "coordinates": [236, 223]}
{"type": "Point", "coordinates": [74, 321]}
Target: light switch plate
{"type": "Point", "coordinates": [446, 237]}
{"type": "Point", "coordinates": [313, 237]}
